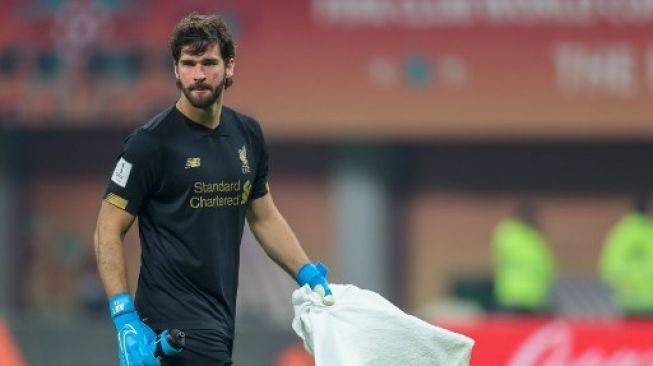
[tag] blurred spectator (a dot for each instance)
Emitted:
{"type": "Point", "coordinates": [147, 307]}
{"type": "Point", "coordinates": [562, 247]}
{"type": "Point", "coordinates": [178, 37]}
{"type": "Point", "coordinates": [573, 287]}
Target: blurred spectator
{"type": "Point", "coordinates": [524, 267]}
{"type": "Point", "coordinates": [626, 262]}
{"type": "Point", "coordinates": [57, 261]}
{"type": "Point", "coordinates": [89, 289]}
{"type": "Point", "coordinates": [12, 72]}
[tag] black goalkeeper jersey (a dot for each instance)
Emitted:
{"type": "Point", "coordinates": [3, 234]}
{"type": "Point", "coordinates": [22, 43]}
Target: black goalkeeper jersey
{"type": "Point", "coordinates": [190, 186]}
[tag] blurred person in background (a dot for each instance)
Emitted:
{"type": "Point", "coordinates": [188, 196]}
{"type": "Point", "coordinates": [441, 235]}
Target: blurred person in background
{"type": "Point", "coordinates": [192, 175]}
{"type": "Point", "coordinates": [626, 261]}
{"type": "Point", "coordinates": [524, 266]}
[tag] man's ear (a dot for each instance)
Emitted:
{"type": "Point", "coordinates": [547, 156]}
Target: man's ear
{"type": "Point", "coordinates": [229, 68]}
{"type": "Point", "coordinates": [174, 67]}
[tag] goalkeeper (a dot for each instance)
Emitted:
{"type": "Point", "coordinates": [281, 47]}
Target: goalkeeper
{"type": "Point", "coordinates": [192, 175]}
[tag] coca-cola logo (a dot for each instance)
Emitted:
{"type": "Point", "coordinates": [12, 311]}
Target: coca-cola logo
{"type": "Point", "coordinates": [553, 345]}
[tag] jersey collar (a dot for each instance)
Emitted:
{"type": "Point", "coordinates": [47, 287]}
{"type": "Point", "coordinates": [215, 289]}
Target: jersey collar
{"type": "Point", "coordinates": [222, 129]}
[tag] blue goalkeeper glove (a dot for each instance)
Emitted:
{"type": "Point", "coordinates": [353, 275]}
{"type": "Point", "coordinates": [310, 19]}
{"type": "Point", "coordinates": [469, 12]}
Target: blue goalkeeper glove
{"type": "Point", "coordinates": [315, 276]}
{"type": "Point", "coordinates": [136, 341]}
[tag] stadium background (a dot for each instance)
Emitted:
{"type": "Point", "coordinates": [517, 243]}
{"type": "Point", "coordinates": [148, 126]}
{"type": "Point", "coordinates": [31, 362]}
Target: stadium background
{"type": "Point", "coordinates": [400, 131]}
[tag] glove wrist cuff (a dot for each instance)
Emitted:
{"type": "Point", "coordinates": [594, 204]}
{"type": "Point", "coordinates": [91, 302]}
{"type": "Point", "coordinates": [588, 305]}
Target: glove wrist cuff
{"type": "Point", "coordinates": [309, 272]}
{"type": "Point", "coordinates": [121, 304]}
{"type": "Point", "coordinates": [306, 273]}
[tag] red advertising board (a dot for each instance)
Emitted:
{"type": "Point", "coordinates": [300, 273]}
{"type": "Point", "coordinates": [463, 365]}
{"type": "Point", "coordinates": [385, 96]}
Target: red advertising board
{"type": "Point", "coordinates": [397, 69]}
{"type": "Point", "coordinates": [361, 71]}
{"type": "Point", "coordinates": [560, 342]}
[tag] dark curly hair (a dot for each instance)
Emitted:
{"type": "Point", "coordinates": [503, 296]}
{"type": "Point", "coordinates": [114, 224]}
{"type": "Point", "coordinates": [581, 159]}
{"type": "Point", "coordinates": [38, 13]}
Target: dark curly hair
{"type": "Point", "coordinates": [199, 31]}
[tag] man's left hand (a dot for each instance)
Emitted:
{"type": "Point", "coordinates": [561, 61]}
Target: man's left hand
{"type": "Point", "coordinates": [315, 276]}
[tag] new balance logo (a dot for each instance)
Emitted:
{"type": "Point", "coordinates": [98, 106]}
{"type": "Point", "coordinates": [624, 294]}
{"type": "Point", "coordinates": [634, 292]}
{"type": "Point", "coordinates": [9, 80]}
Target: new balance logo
{"type": "Point", "coordinates": [192, 163]}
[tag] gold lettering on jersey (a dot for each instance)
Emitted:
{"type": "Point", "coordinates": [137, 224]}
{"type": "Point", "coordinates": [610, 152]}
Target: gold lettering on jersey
{"type": "Point", "coordinates": [242, 155]}
{"type": "Point", "coordinates": [215, 201]}
{"type": "Point", "coordinates": [218, 187]}
{"type": "Point", "coordinates": [220, 194]}
{"type": "Point", "coordinates": [247, 189]}
{"type": "Point", "coordinates": [193, 163]}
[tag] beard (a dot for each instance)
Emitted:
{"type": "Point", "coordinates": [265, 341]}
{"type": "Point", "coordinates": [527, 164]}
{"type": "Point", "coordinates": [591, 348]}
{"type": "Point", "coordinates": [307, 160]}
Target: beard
{"type": "Point", "coordinates": [202, 101]}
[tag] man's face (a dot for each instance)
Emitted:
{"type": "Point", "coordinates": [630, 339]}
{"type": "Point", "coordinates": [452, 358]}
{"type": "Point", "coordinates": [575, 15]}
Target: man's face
{"type": "Point", "coordinates": [202, 77]}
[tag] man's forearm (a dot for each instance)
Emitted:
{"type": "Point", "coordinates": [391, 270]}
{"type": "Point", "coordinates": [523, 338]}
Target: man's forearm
{"type": "Point", "coordinates": [280, 243]}
{"type": "Point", "coordinates": [111, 263]}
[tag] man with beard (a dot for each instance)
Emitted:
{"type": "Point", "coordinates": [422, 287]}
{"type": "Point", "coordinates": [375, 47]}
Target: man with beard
{"type": "Point", "coordinates": [192, 175]}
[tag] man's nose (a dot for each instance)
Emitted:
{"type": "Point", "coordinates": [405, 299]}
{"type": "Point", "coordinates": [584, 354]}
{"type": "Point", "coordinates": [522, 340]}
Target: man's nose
{"type": "Point", "coordinates": [199, 74]}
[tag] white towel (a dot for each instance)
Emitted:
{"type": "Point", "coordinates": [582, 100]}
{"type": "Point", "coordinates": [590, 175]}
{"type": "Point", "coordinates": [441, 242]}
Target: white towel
{"type": "Point", "coordinates": [363, 328]}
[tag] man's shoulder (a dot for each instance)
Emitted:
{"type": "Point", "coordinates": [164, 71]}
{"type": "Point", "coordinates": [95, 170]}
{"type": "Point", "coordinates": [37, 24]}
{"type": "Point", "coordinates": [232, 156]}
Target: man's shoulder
{"type": "Point", "coordinates": [158, 127]}
{"type": "Point", "coordinates": [244, 121]}
{"type": "Point", "coordinates": [154, 131]}
{"type": "Point", "coordinates": [160, 123]}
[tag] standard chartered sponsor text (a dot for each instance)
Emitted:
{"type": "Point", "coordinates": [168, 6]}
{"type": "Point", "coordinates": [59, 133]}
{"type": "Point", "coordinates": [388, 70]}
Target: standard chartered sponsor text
{"type": "Point", "coordinates": [215, 187]}
{"type": "Point", "coordinates": [217, 194]}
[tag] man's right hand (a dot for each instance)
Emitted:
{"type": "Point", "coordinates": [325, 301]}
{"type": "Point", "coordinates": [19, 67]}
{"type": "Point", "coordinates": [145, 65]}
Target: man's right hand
{"type": "Point", "coordinates": [135, 338]}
